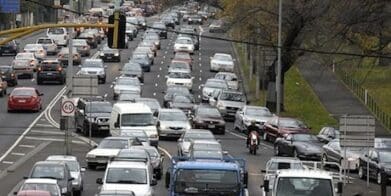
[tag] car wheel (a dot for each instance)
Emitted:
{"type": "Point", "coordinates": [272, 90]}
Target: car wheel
{"type": "Point", "coordinates": [361, 172]}
{"type": "Point", "coordinates": [276, 150]}
{"type": "Point", "coordinates": [265, 137]}
{"type": "Point", "coordinates": [148, 69]}
{"type": "Point", "coordinates": [77, 192]}
{"type": "Point", "coordinates": [378, 177]}
{"type": "Point", "coordinates": [295, 153]}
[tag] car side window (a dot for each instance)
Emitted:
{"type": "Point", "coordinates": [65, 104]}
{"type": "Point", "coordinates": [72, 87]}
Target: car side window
{"type": "Point", "coordinates": [373, 156]}
{"type": "Point", "coordinates": [289, 137]}
{"type": "Point", "coordinates": [36, 92]}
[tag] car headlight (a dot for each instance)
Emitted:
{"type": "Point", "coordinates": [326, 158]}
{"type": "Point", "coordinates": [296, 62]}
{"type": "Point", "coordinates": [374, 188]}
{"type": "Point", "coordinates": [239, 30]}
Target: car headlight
{"type": "Point", "coordinates": [91, 156]}
{"type": "Point", "coordinates": [156, 43]}
{"type": "Point", "coordinates": [116, 54]}
{"type": "Point", "coordinates": [163, 127]}
{"type": "Point", "coordinates": [143, 24]}
{"type": "Point", "coordinates": [246, 121]}
{"type": "Point", "coordinates": [153, 136]}
{"type": "Point", "coordinates": [220, 106]}
{"type": "Point", "coordinates": [64, 190]}
{"type": "Point", "coordinates": [102, 54]}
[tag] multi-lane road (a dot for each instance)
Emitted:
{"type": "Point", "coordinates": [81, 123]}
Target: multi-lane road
{"type": "Point", "coordinates": [42, 137]}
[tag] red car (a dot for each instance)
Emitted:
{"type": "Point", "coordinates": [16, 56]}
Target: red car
{"type": "Point", "coordinates": [25, 98]}
{"type": "Point", "coordinates": [279, 126]}
{"type": "Point", "coordinates": [33, 193]}
{"type": "Point", "coordinates": [183, 56]}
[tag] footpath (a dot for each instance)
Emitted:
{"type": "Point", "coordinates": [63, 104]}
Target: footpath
{"type": "Point", "coordinates": [332, 92]}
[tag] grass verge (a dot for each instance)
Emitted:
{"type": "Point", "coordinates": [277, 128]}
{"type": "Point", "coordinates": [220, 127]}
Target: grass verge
{"type": "Point", "coordinates": [300, 101]}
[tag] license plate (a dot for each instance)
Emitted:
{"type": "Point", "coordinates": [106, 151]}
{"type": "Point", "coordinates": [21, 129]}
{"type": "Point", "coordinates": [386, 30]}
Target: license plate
{"type": "Point", "coordinates": [211, 126]}
{"type": "Point", "coordinates": [109, 57]}
{"type": "Point", "coordinates": [49, 74]}
{"type": "Point", "coordinates": [6, 51]}
{"type": "Point", "coordinates": [102, 161]}
{"type": "Point", "coordinates": [22, 101]}
{"type": "Point", "coordinates": [104, 127]}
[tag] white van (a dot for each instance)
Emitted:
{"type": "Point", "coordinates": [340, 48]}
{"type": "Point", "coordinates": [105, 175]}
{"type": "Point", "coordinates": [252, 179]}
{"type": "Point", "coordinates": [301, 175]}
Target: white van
{"type": "Point", "coordinates": [59, 35]}
{"type": "Point", "coordinates": [133, 116]}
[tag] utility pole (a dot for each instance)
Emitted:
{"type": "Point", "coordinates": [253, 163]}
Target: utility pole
{"type": "Point", "coordinates": [258, 67]}
{"type": "Point", "coordinates": [251, 52]}
{"type": "Point", "coordinates": [278, 78]}
{"type": "Point", "coordinates": [68, 137]}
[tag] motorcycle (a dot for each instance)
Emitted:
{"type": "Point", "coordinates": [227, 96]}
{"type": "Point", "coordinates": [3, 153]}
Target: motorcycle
{"type": "Point", "coordinates": [253, 145]}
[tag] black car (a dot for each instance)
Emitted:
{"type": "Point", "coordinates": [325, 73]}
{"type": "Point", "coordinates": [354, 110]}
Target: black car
{"type": "Point", "coordinates": [206, 117]}
{"type": "Point", "coordinates": [94, 112]}
{"type": "Point", "coordinates": [379, 161]}
{"type": "Point", "coordinates": [51, 70]}
{"type": "Point", "coordinates": [11, 47]}
{"type": "Point", "coordinates": [7, 73]}
{"type": "Point", "coordinates": [161, 29]}
{"type": "Point", "coordinates": [143, 60]}
{"type": "Point", "coordinates": [300, 145]}
{"type": "Point", "coordinates": [326, 134]}
{"type": "Point", "coordinates": [175, 90]}
{"type": "Point", "coordinates": [110, 54]}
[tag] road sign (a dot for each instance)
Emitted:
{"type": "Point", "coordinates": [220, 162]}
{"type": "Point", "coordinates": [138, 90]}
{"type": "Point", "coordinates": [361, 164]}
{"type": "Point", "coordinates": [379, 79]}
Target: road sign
{"type": "Point", "coordinates": [357, 131]}
{"type": "Point", "coordinates": [85, 86]}
{"type": "Point", "coordinates": [68, 107]}
{"type": "Point", "coordinates": [9, 6]}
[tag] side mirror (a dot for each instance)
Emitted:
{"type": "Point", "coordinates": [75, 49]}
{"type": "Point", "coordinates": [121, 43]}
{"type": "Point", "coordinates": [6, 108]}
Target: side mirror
{"type": "Point", "coordinates": [99, 181]}
{"type": "Point", "coordinates": [81, 111]}
{"type": "Point", "coordinates": [71, 179]}
{"type": "Point", "coordinates": [339, 187]}
{"type": "Point", "coordinates": [83, 169]}
{"type": "Point", "coordinates": [180, 140]}
{"type": "Point", "coordinates": [167, 179]}
{"type": "Point", "coordinates": [202, 85]}
{"type": "Point", "coordinates": [265, 186]}
{"type": "Point", "coordinates": [153, 182]}
{"type": "Point", "coordinates": [40, 94]}
{"type": "Point", "coordinates": [263, 171]}
{"type": "Point", "coordinates": [116, 124]}
{"type": "Point", "coordinates": [162, 154]}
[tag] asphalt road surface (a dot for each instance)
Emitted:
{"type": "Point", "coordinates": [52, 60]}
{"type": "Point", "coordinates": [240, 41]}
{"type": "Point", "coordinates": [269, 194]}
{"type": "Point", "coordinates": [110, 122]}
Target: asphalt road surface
{"type": "Point", "coordinates": [42, 136]}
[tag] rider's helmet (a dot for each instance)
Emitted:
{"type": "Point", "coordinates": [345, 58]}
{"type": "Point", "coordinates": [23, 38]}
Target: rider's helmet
{"type": "Point", "coordinates": [253, 122]}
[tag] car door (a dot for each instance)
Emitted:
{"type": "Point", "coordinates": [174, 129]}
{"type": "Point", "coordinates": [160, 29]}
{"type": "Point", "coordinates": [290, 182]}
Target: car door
{"type": "Point", "coordinates": [79, 114]}
{"type": "Point", "coordinates": [373, 164]}
{"type": "Point", "coordinates": [334, 151]}
{"type": "Point", "coordinates": [363, 161]}
{"type": "Point", "coordinates": [284, 144]}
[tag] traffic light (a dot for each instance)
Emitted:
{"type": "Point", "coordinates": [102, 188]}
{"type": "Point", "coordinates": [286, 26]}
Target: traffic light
{"type": "Point", "coordinates": [117, 35]}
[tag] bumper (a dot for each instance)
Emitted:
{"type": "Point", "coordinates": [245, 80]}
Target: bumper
{"type": "Point", "coordinates": [14, 106]}
{"type": "Point", "coordinates": [215, 128]}
{"type": "Point", "coordinates": [100, 128]}
{"type": "Point", "coordinates": [312, 157]}
{"type": "Point", "coordinates": [171, 132]}
{"type": "Point", "coordinates": [53, 77]}
{"type": "Point", "coordinates": [184, 50]}
{"type": "Point", "coordinates": [111, 58]}
{"type": "Point", "coordinates": [21, 71]}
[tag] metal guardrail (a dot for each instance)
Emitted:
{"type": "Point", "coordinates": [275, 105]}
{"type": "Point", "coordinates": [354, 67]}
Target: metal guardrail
{"type": "Point", "coordinates": [362, 93]}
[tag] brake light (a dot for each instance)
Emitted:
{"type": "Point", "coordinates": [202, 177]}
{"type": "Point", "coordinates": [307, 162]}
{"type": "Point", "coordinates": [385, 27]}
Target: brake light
{"type": "Point", "coordinates": [39, 69]}
{"type": "Point", "coordinates": [59, 69]}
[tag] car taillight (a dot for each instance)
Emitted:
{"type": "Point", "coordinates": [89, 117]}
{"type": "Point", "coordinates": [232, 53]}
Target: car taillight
{"type": "Point", "coordinates": [59, 69]}
{"type": "Point", "coordinates": [39, 69]}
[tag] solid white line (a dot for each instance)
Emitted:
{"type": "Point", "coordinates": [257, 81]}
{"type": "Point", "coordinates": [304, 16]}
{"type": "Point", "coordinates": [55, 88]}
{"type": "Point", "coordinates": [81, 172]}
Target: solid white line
{"type": "Point", "coordinates": [43, 125]}
{"type": "Point", "coordinates": [165, 152]}
{"type": "Point", "coordinates": [158, 75]}
{"type": "Point", "coordinates": [26, 131]}
{"type": "Point", "coordinates": [8, 162]}
{"type": "Point", "coordinates": [26, 146]}
{"type": "Point", "coordinates": [18, 154]}
{"type": "Point", "coordinates": [52, 139]}
{"type": "Point", "coordinates": [155, 84]}
{"type": "Point", "coordinates": [48, 132]}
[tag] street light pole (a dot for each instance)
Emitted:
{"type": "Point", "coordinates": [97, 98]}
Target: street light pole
{"type": "Point", "coordinates": [278, 77]}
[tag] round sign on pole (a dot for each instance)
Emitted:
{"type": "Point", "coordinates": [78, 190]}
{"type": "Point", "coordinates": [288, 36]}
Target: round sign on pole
{"type": "Point", "coordinates": [67, 107]}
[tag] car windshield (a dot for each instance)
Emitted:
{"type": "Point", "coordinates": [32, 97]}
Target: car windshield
{"type": "Point", "coordinates": [275, 165]}
{"type": "Point", "coordinates": [179, 65]}
{"type": "Point", "coordinates": [189, 135]}
{"type": "Point", "coordinates": [44, 41]}
{"type": "Point", "coordinates": [98, 108]}
{"type": "Point", "coordinates": [209, 112]}
{"type": "Point", "coordinates": [291, 123]}
{"type": "Point", "coordinates": [304, 137]}
{"type": "Point", "coordinates": [172, 116]}
{"type": "Point", "coordinates": [207, 154]}
{"type": "Point", "coordinates": [22, 92]}
{"type": "Point", "coordinates": [182, 56]}
{"type": "Point", "coordinates": [179, 75]}
{"type": "Point", "coordinates": [222, 57]}
{"type": "Point", "coordinates": [114, 143]}
{"type": "Point", "coordinates": [182, 91]}
{"type": "Point", "coordinates": [97, 64]}
{"type": "Point", "coordinates": [137, 119]}
{"type": "Point", "coordinates": [227, 77]}
{"type": "Point", "coordinates": [33, 47]}
{"type": "Point", "coordinates": [56, 31]}
{"type": "Point", "coordinates": [221, 182]}
{"type": "Point", "coordinates": [258, 112]}
{"type": "Point", "coordinates": [52, 188]}
{"type": "Point", "coordinates": [385, 156]}
{"type": "Point", "coordinates": [216, 84]}
{"type": "Point", "coordinates": [183, 41]}
{"type": "Point", "coordinates": [181, 99]}
{"type": "Point", "coordinates": [288, 186]}
{"type": "Point", "coordinates": [127, 96]}
{"type": "Point", "coordinates": [48, 171]}
{"type": "Point", "coordinates": [232, 97]}
{"type": "Point", "coordinates": [126, 176]}
{"type": "Point", "coordinates": [140, 57]}
{"type": "Point", "coordinates": [24, 56]}
{"type": "Point", "coordinates": [150, 103]}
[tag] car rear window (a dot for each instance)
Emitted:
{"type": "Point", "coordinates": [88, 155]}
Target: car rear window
{"type": "Point", "coordinates": [49, 66]}
{"type": "Point", "coordinates": [44, 41]}
{"type": "Point", "coordinates": [56, 31]}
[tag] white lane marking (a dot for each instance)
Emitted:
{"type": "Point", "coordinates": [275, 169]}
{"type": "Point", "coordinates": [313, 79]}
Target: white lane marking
{"type": "Point", "coordinates": [27, 130]}
{"type": "Point", "coordinates": [26, 146]}
{"type": "Point", "coordinates": [244, 138]}
{"type": "Point", "coordinates": [33, 79]}
{"type": "Point", "coordinates": [156, 84]}
{"type": "Point", "coordinates": [199, 58]}
{"type": "Point", "coordinates": [160, 68]}
{"type": "Point", "coordinates": [154, 94]}
{"type": "Point", "coordinates": [164, 57]}
{"type": "Point", "coordinates": [18, 154]}
{"type": "Point", "coordinates": [165, 152]}
{"type": "Point", "coordinates": [166, 52]}
{"type": "Point", "coordinates": [48, 132]}
{"type": "Point", "coordinates": [111, 86]}
{"type": "Point", "coordinates": [162, 62]}
{"type": "Point", "coordinates": [48, 113]}
{"type": "Point", "coordinates": [8, 162]}
{"type": "Point", "coordinates": [51, 139]}
{"type": "Point", "coordinates": [158, 75]}
{"type": "Point", "coordinates": [43, 125]}
{"type": "Point", "coordinates": [200, 70]}
{"type": "Point", "coordinates": [200, 79]}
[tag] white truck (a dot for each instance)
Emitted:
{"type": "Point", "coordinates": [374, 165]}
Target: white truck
{"type": "Point", "coordinates": [302, 182]}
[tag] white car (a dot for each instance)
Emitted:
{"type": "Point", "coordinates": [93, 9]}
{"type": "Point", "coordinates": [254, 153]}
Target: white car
{"type": "Point", "coordinates": [59, 35]}
{"type": "Point", "coordinates": [211, 86]}
{"type": "Point", "coordinates": [247, 114]}
{"type": "Point", "coordinates": [37, 49]}
{"type": "Point", "coordinates": [49, 45]}
{"type": "Point", "coordinates": [93, 67]}
{"type": "Point", "coordinates": [221, 62]}
{"type": "Point", "coordinates": [107, 148]}
{"type": "Point", "coordinates": [42, 184]}
{"type": "Point", "coordinates": [126, 84]}
{"type": "Point", "coordinates": [184, 44]}
{"type": "Point", "coordinates": [231, 78]}
{"type": "Point", "coordinates": [25, 63]}
{"type": "Point", "coordinates": [172, 123]}
{"type": "Point", "coordinates": [129, 176]}
{"type": "Point", "coordinates": [180, 78]}
{"type": "Point", "coordinates": [77, 172]}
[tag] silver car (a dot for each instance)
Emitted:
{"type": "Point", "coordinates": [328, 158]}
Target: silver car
{"type": "Point", "coordinates": [94, 67]}
{"type": "Point", "coordinates": [123, 84]}
{"type": "Point", "coordinates": [211, 86]}
{"type": "Point", "coordinates": [37, 49]}
{"type": "Point", "coordinates": [25, 64]}
{"type": "Point", "coordinates": [221, 62]}
{"type": "Point", "coordinates": [82, 47]}
{"type": "Point", "coordinates": [77, 172]}
{"type": "Point", "coordinates": [229, 102]}
{"type": "Point", "coordinates": [172, 123]}
{"type": "Point", "coordinates": [248, 114]}
{"type": "Point", "coordinates": [49, 45]}
{"type": "Point", "coordinates": [231, 78]}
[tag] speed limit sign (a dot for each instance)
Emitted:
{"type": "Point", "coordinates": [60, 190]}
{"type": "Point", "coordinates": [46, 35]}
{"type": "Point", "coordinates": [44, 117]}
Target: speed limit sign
{"type": "Point", "coordinates": [67, 107]}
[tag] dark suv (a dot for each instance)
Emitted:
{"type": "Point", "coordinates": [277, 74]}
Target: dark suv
{"type": "Point", "coordinates": [51, 70]}
{"type": "Point", "coordinates": [11, 47]}
{"type": "Point", "coordinates": [8, 74]}
{"type": "Point", "coordinates": [94, 112]}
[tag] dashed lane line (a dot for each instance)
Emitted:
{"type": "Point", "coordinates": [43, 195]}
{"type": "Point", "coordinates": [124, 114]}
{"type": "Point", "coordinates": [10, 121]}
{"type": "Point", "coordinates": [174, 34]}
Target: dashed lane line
{"type": "Point", "coordinates": [43, 125]}
{"type": "Point", "coordinates": [18, 154]}
{"type": "Point", "coordinates": [8, 162]}
{"type": "Point", "coordinates": [52, 139]}
{"type": "Point", "coordinates": [26, 146]}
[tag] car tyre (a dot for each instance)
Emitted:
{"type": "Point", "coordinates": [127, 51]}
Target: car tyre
{"type": "Point", "coordinates": [2, 94]}
{"type": "Point", "coordinates": [276, 150]}
{"type": "Point", "coordinates": [378, 177]}
{"type": "Point", "coordinates": [39, 81]}
{"type": "Point", "coordinates": [361, 172]}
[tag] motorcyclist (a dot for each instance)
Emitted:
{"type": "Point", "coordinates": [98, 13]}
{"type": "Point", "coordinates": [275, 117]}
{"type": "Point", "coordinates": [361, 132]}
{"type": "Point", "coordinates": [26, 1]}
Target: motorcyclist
{"type": "Point", "coordinates": [253, 128]}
